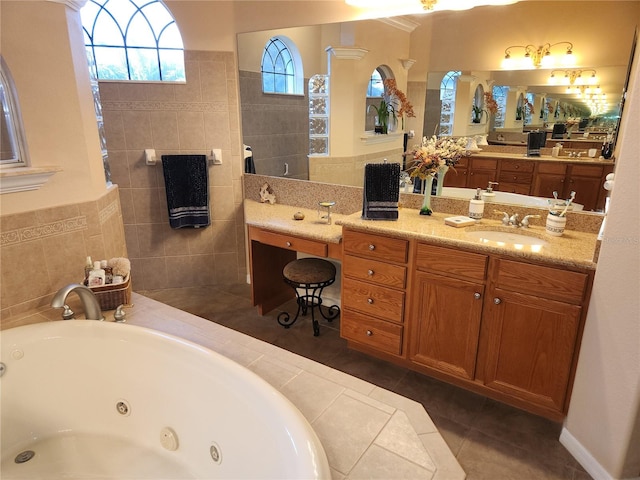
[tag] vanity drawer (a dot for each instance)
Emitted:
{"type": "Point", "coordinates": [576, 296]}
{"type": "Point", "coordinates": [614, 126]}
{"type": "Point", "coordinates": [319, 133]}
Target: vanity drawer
{"type": "Point", "coordinates": [515, 177]}
{"type": "Point", "coordinates": [552, 167]}
{"type": "Point", "coordinates": [587, 170]}
{"type": "Point", "coordinates": [522, 166]}
{"type": "Point", "coordinates": [451, 262]}
{"type": "Point", "coordinates": [382, 273]}
{"type": "Point", "coordinates": [381, 335]}
{"type": "Point", "coordinates": [289, 242]}
{"type": "Point", "coordinates": [374, 300]}
{"type": "Point", "coordinates": [520, 188]}
{"type": "Point", "coordinates": [484, 163]}
{"type": "Point", "coordinates": [375, 246]}
{"type": "Point", "coordinates": [547, 282]}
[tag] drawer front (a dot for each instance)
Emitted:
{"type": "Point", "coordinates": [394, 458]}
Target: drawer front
{"type": "Point", "coordinates": [289, 242]}
{"type": "Point", "coordinates": [381, 302]}
{"type": "Point", "coordinates": [373, 271]}
{"type": "Point", "coordinates": [587, 170]}
{"type": "Point", "coordinates": [547, 282]}
{"type": "Point", "coordinates": [381, 335]}
{"type": "Point", "coordinates": [375, 246]}
{"type": "Point", "coordinates": [517, 166]}
{"type": "Point", "coordinates": [451, 262]}
{"type": "Point", "coordinates": [515, 177]}
{"type": "Point", "coordinates": [484, 163]}
{"type": "Point", "coordinates": [521, 188]}
{"type": "Point", "coordinates": [552, 167]}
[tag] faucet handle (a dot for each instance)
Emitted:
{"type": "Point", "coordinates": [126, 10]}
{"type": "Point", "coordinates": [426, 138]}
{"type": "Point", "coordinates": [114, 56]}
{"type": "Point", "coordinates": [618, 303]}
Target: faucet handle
{"type": "Point", "coordinates": [505, 216]}
{"type": "Point", "coordinates": [119, 315]}
{"type": "Point", "coordinates": [67, 313]}
{"type": "Point", "coordinates": [525, 220]}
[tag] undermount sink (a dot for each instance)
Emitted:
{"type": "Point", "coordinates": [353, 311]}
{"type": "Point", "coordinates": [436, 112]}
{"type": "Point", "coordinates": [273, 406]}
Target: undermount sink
{"type": "Point", "coordinates": [518, 239]}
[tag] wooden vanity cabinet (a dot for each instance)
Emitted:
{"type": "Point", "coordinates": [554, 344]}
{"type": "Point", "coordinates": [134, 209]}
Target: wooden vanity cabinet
{"type": "Point", "coordinates": [481, 172]}
{"type": "Point", "coordinates": [445, 322]}
{"type": "Point", "coordinates": [374, 282]}
{"type": "Point", "coordinates": [549, 178]}
{"type": "Point", "coordinates": [530, 331]}
{"type": "Point", "coordinates": [516, 176]}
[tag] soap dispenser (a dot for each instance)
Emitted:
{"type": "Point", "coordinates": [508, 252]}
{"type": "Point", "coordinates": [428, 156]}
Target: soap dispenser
{"type": "Point", "coordinates": [476, 206]}
{"type": "Point", "coordinates": [489, 195]}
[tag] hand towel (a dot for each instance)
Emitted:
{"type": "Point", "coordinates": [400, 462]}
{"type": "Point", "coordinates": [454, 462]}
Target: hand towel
{"type": "Point", "coordinates": [186, 179]}
{"type": "Point", "coordinates": [381, 191]}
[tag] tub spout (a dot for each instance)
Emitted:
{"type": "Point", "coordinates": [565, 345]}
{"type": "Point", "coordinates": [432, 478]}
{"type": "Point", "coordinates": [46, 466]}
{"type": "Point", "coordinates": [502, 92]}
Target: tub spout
{"type": "Point", "coordinates": [89, 301]}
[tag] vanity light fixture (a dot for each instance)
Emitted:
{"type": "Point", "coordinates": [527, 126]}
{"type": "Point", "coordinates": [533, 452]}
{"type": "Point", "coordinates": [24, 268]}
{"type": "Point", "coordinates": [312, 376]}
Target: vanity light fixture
{"type": "Point", "coordinates": [400, 7]}
{"type": "Point", "coordinates": [538, 56]}
{"type": "Point", "coordinates": [573, 77]}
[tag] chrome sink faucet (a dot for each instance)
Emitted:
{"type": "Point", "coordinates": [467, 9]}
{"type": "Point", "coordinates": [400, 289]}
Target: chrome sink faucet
{"type": "Point", "coordinates": [89, 301]}
{"type": "Point", "coordinates": [514, 220]}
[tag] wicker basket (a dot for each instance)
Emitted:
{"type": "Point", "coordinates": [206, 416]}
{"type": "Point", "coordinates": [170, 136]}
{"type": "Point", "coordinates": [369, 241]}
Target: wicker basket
{"type": "Point", "coordinates": [111, 296]}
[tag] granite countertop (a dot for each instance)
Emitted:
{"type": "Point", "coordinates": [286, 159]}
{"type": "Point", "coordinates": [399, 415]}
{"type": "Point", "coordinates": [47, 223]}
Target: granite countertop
{"type": "Point", "coordinates": [544, 158]}
{"type": "Point", "coordinates": [279, 218]}
{"type": "Point", "coordinates": [573, 249]}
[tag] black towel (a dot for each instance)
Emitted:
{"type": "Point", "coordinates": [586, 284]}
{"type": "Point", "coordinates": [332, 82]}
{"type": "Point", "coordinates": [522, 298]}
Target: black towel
{"type": "Point", "coordinates": [381, 191]}
{"type": "Point", "coordinates": [186, 179]}
{"type": "Point", "coordinates": [249, 166]}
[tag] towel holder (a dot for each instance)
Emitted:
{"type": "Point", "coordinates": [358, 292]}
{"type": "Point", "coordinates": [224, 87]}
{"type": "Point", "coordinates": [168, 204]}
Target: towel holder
{"type": "Point", "coordinates": [215, 157]}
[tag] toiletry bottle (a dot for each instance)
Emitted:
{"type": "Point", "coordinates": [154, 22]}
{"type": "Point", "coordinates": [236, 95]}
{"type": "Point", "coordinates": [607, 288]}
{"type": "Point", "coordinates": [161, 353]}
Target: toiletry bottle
{"type": "Point", "coordinates": [108, 272]}
{"type": "Point", "coordinates": [88, 266]}
{"type": "Point", "coordinates": [489, 195]}
{"type": "Point", "coordinates": [476, 206]}
{"type": "Point", "coordinates": [96, 276]}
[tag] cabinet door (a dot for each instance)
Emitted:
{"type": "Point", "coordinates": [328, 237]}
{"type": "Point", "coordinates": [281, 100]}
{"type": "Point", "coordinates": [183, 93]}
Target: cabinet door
{"type": "Point", "coordinates": [546, 183]}
{"type": "Point", "coordinates": [587, 191]}
{"type": "Point", "coordinates": [530, 347]}
{"type": "Point", "coordinates": [446, 324]}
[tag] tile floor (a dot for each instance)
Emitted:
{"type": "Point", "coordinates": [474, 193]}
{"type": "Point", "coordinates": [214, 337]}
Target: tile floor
{"type": "Point", "coordinates": [490, 440]}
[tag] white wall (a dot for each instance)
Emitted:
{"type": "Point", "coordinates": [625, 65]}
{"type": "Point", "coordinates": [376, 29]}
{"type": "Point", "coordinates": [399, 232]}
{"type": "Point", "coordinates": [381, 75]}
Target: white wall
{"type": "Point", "coordinates": [602, 428]}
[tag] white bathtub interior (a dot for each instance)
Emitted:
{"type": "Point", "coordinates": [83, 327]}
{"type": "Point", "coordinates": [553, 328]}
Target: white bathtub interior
{"type": "Point", "coordinates": [104, 400]}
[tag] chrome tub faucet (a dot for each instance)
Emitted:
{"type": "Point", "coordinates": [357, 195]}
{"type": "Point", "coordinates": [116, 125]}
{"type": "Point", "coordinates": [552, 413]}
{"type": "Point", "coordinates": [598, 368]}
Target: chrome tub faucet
{"type": "Point", "coordinates": [89, 301]}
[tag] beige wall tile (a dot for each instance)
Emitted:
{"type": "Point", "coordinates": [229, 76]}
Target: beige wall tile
{"type": "Point", "coordinates": [201, 240]}
{"type": "Point", "coordinates": [177, 239]}
{"type": "Point", "coordinates": [213, 80]}
{"type": "Point", "coordinates": [137, 130]}
{"type": "Point", "coordinates": [203, 267]}
{"type": "Point", "coordinates": [150, 274]}
{"type": "Point", "coordinates": [114, 129]}
{"type": "Point", "coordinates": [64, 260]}
{"type": "Point", "coordinates": [164, 128]}
{"type": "Point", "coordinates": [119, 168]}
{"type": "Point", "coordinates": [191, 131]}
{"type": "Point", "coordinates": [225, 237]}
{"type": "Point", "coordinates": [19, 261]}
{"type": "Point", "coordinates": [161, 92]}
{"type": "Point", "coordinates": [221, 175]}
{"type": "Point", "coordinates": [216, 133]}
{"type": "Point", "coordinates": [132, 91]}
{"type": "Point", "coordinates": [226, 268]}
{"type": "Point", "coordinates": [131, 237]}
{"type": "Point", "coordinates": [126, 202]}
{"type": "Point", "coordinates": [180, 272]}
{"type": "Point", "coordinates": [151, 240]}
{"type": "Point", "coordinates": [147, 205]}
{"type": "Point", "coordinates": [190, 91]}
{"type": "Point", "coordinates": [222, 205]}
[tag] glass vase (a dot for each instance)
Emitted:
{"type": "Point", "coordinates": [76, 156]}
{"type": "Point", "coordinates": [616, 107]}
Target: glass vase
{"type": "Point", "coordinates": [426, 202]}
{"type": "Point", "coordinates": [442, 171]}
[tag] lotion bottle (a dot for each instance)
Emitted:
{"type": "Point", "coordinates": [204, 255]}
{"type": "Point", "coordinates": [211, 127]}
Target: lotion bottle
{"type": "Point", "coordinates": [476, 206]}
{"type": "Point", "coordinates": [489, 195]}
{"type": "Point", "coordinates": [96, 276]}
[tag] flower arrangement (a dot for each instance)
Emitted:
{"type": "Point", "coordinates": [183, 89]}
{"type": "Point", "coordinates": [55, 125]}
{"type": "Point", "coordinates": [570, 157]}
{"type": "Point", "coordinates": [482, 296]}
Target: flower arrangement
{"type": "Point", "coordinates": [477, 113]}
{"type": "Point", "coordinates": [490, 103]}
{"type": "Point", "coordinates": [434, 153]}
{"type": "Point", "coordinates": [385, 112]}
{"type": "Point", "coordinates": [403, 104]}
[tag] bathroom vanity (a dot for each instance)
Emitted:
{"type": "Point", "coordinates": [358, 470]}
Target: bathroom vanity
{"type": "Point", "coordinates": [504, 321]}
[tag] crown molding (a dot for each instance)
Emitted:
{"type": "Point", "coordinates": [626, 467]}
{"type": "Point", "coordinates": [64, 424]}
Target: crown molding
{"type": "Point", "coordinates": [401, 23]}
{"type": "Point", "coordinates": [72, 4]}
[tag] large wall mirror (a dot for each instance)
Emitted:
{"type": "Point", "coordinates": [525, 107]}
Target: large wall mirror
{"type": "Point", "coordinates": [434, 54]}
{"type": "Point", "coordinates": [13, 150]}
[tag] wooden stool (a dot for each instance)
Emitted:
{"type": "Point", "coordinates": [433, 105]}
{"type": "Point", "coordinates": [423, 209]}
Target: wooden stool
{"type": "Point", "coordinates": [312, 275]}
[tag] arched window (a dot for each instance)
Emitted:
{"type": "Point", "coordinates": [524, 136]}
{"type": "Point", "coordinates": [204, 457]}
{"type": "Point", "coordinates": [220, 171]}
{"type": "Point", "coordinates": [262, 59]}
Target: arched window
{"type": "Point", "coordinates": [281, 67]}
{"type": "Point", "coordinates": [133, 40]}
{"type": "Point", "coordinates": [375, 88]}
{"type": "Point", "coordinates": [448, 102]}
{"type": "Point", "coordinates": [500, 96]}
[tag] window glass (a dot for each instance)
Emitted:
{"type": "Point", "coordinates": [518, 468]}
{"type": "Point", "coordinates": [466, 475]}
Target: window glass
{"type": "Point", "coordinates": [448, 102]}
{"type": "Point", "coordinates": [376, 85]}
{"type": "Point", "coordinates": [278, 68]}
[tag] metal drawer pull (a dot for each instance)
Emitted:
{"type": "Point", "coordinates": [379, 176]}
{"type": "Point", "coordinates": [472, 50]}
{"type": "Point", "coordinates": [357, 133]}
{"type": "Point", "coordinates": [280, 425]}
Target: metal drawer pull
{"type": "Point", "coordinates": [497, 301]}
{"type": "Point", "coordinates": [370, 272]}
{"type": "Point", "coordinates": [372, 247]}
{"type": "Point", "coordinates": [370, 301]}
{"type": "Point", "coordinates": [369, 333]}
{"type": "Point", "coordinates": [477, 296]}
{"type": "Point", "coordinates": [288, 244]}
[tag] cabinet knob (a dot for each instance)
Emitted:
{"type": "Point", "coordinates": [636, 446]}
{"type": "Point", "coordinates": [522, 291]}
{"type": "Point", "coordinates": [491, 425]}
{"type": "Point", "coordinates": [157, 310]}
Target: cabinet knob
{"type": "Point", "coordinates": [372, 247]}
{"type": "Point", "coordinates": [370, 301]}
{"type": "Point", "coordinates": [477, 296]}
{"type": "Point", "coordinates": [288, 244]}
{"type": "Point", "coordinates": [370, 272]}
{"type": "Point", "coordinates": [497, 301]}
{"type": "Point", "coordinates": [369, 333]}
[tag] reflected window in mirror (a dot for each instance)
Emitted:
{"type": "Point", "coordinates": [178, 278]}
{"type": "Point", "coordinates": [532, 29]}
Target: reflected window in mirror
{"type": "Point", "coordinates": [520, 107]}
{"type": "Point", "coordinates": [281, 67]}
{"type": "Point", "coordinates": [529, 109]}
{"type": "Point", "coordinates": [448, 102]}
{"type": "Point", "coordinates": [375, 94]}
{"type": "Point", "coordinates": [375, 88]}
{"type": "Point", "coordinates": [133, 40]}
{"type": "Point", "coordinates": [13, 148]}
{"type": "Point", "coordinates": [500, 96]}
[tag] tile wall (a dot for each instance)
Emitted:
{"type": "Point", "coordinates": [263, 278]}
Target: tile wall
{"type": "Point", "coordinates": [43, 250]}
{"type": "Point", "coordinates": [189, 118]}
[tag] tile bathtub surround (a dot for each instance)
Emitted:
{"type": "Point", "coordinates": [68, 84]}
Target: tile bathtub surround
{"type": "Point", "coordinates": [190, 118]}
{"type": "Point", "coordinates": [43, 250]}
{"type": "Point", "coordinates": [366, 431]}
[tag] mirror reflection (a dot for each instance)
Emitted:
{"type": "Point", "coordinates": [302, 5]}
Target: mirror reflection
{"type": "Point", "coordinates": [12, 147]}
{"type": "Point", "coordinates": [277, 127]}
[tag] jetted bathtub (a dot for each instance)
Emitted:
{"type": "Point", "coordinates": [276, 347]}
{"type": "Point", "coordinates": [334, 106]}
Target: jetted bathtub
{"type": "Point", "coordinates": [89, 399]}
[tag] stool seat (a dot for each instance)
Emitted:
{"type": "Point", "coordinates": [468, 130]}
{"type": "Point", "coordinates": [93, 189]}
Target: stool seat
{"type": "Point", "coordinates": [309, 270]}
{"type": "Point", "coordinates": [312, 275]}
